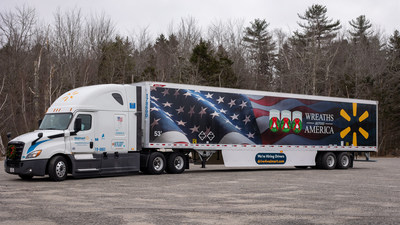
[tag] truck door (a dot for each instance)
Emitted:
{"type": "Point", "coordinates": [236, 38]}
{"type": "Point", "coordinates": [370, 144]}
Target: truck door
{"type": "Point", "coordinates": [115, 158]}
{"type": "Point", "coordinates": [83, 141]}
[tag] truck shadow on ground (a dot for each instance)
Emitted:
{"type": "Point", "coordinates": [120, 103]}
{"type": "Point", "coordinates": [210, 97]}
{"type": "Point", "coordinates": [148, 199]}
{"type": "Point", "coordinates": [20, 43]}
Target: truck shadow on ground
{"type": "Point", "coordinates": [195, 171]}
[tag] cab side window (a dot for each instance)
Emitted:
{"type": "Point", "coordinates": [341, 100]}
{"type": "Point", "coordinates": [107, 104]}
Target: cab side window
{"type": "Point", "coordinates": [86, 121]}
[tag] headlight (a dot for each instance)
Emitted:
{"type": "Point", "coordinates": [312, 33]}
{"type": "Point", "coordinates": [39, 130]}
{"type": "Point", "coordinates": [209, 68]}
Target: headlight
{"type": "Point", "coordinates": [34, 154]}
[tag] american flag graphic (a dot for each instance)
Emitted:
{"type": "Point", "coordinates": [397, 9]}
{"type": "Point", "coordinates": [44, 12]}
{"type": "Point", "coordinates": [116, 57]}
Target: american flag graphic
{"type": "Point", "coordinates": [210, 117]}
{"type": "Point", "coordinates": [190, 116]}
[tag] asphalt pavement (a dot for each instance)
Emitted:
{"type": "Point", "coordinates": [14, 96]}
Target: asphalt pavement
{"type": "Point", "coordinates": [366, 194]}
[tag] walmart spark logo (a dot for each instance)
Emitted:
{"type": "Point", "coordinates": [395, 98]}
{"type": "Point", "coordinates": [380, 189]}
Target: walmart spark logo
{"type": "Point", "coordinates": [347, 130]}
{"type": "Point", "coordinates": [69, 96]}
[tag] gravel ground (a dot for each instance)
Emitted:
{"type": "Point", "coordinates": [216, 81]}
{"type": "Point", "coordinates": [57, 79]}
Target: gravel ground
{"type": "Point", "coordinates": [366, 194]}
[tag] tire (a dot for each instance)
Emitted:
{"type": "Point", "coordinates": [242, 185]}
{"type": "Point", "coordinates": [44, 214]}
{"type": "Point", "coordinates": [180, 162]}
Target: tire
{"type": "Point", "coordinates": [343, 160]}
{"type": "Point", "coordinates": [156, 164]}
{"type": "Point", "coordinates": [25, 177]}
{"type": "Point", "coordinates": [328, 161]}
{"type": "Point", "coordinates": [176, 163]}
{"type": "Point", "coordinates": [318, 160]}
{"type": "Point", "coordinates": [58, 168]}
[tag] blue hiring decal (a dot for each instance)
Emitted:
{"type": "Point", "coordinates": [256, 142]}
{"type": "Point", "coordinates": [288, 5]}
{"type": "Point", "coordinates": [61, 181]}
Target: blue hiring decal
{"type": "Point", "coordinates": [132, 105]}
{"type": "Point", "coordinates": [270, 158]}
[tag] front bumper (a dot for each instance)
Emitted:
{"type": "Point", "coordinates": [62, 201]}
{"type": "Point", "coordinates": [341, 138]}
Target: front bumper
{"type": "Point", "coordinates": [35, 167]}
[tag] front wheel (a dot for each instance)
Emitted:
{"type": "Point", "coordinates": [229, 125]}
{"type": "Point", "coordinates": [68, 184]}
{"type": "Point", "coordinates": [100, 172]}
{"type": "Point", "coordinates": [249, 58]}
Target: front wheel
{"type": "Point", "coordinates": [58, 168]}
{"type": "Point", "coordinates": [176, 163]}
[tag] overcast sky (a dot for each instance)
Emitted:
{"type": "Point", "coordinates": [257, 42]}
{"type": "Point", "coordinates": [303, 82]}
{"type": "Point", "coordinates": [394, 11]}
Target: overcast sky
{"type": "Point", "coordinates": [157, 15]}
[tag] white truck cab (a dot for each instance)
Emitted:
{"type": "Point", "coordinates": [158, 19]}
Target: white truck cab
{"type": "Point", "coordinates": [73, 137]}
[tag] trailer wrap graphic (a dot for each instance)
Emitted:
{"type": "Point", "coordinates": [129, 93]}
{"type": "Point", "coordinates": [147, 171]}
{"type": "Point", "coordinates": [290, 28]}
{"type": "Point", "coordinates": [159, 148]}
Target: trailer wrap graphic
{"type": "Point", "coordinates": [206, 117]}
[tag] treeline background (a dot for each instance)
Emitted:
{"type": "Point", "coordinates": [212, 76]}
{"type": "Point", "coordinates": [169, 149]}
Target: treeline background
{"type": "Point", "coordinates": [324, 56]}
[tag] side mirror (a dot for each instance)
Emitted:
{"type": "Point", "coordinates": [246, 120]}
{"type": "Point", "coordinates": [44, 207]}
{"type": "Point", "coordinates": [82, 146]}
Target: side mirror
{"type": "Point", "coordinates": [39, 122]}
{"type": "Point", "coordinates": [78, 125]}
{"type": "Point", "coordinates": [40, 135]}
{"type": "Point", "coordinates": [9, 136]}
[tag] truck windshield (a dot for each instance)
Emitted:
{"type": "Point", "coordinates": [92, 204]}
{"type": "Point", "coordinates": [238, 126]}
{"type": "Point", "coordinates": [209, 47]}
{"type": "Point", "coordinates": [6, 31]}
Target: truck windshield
{"type": "Point", "coordinates": [57, 121]}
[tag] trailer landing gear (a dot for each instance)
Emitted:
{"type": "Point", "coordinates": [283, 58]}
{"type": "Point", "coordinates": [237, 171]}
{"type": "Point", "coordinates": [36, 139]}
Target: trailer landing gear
{"type": "Point", "coordinates": [205, 156]}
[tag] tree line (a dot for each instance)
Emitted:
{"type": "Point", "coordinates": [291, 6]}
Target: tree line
{"type": "Point", "coordinates": [40, 62]}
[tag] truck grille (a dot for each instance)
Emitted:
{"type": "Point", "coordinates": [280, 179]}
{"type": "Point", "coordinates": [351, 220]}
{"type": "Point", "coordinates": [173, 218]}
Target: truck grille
{"type": "Point", "coordinates": [16, 161]}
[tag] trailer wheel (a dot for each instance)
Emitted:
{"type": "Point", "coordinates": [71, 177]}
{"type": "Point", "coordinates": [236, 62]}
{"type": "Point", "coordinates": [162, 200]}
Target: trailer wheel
{"type": "Point", "coordinates": [58, 168]}
{"type": "Point", "coordinates": [343, 160]}
{"type": "Point", "coordinates": [176, 163]}
{"type": "Point", "coordinates": [156, 163]}
{"type": "Point", "coordinates": [328, 161]}
{"type": "Point", "coordinates": [318, 160]}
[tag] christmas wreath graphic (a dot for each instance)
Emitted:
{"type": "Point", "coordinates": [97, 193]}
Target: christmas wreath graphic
{"type": "Point", "coordinates": [11, 152]}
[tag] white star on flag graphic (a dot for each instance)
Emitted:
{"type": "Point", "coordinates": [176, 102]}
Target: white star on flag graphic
{"type": "Point", "coordinates": [167, 104]}
{"type": "Point", "coordinates": [155, 122]}
{"type": "Point", "coordinates": [232, 103]}
{"type": "Point", "coordinates": [181, 123]}
{"type": "Point", "coordinates": [247, 119]}
{"type": "Point", "coordinates": [191, 111]}
{"type": "Point", "coordinates": [243, 104]}
{"type": "Point", "coordinates": [195, 129]}
{"type": "Point", "coordinates": [220, 99]}
{"type": "Point", "coordinates": [214, 114]}
{"type": "Point", "coordinates": [202, 111]}
{"type": "Point", "coordinates": [165, 92]}
{"type": "Point", "coordinates": [235, 116]}
{"type": "Point", "coordinates": [180, 110]}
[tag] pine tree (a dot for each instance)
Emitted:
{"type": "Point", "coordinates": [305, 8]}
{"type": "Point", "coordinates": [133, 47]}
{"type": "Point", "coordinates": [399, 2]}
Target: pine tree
{"type": "Point", "coordinates": [261, 47]}
{"type": "Point", "coordinates": [394, 50]}
{"type": "Point", "coordinates": [318, 29]}
{"type": "Point", "coordinates": [204, 63]}
{"type": "Point", "coordinates": [389, 98]}
{"type": "Point", "coordinates": [361, 27]}
{"type": "Point", "coordinates": [214, 69]}
{"type": "Point", "coordinates": [226, 76]}
{"type": "Point", "coordinates": [116, 63]}
{"type": "Point", "coordinates": [313, 44]}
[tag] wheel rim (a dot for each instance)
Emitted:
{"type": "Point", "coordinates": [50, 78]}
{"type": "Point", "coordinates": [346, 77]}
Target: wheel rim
{"type": "Point", "coordinates": [178, 162]}
{"type": "Point", "coordinates": [345, 161]}
{"type": "Point", "coordinates": [158, 163]}
{"type": "Point", "coordinates": [61, 169]}
{"type": "Point", "coordinates": [330, 161]}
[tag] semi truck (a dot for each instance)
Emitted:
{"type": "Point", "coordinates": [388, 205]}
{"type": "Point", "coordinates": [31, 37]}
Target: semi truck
{"type": "Point", "coordinates": [154, 127]}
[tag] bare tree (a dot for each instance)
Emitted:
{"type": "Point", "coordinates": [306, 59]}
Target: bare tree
{"type": "Point", "coordinates": [99, 29]}
{"type": "Point", "coordinates": [68, 42]}
{"type": "Point", "coordinates": [188, 34]}
{"type": "Point", "coordinates": [17, 27]}
{"type": "Point", "coordinates": [16, 30]}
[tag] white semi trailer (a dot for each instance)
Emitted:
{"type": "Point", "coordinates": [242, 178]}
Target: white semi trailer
{"type": "Point", "coordinates": [152, 127]}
